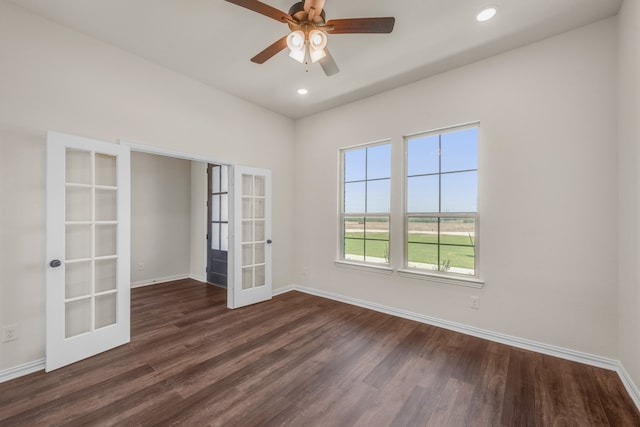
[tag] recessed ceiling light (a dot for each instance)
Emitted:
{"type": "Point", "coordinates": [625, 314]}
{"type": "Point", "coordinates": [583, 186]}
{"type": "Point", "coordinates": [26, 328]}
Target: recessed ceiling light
{"type": "Point", "coordinates": [486, 14]}
{"type": "Point", "coordinates": [302, 91]}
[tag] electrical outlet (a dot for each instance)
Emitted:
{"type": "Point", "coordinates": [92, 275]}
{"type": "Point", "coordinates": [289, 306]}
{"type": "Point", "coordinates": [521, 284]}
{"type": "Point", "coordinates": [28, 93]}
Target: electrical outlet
{"type": "Point", "coordinates": [475, 302]}
{"type": "Point", "coordinates": [140, 266]}
{"type": "Point", "coordinates": [10, 333]}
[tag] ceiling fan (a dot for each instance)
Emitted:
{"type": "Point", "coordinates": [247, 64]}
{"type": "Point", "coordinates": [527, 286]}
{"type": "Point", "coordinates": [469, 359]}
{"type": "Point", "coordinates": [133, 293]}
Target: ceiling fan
{"type": "Point", "coordinates": [309, 29]}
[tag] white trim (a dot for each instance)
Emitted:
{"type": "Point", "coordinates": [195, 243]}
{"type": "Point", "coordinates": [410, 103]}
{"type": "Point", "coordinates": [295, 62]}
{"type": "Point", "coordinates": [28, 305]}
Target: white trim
{"type": "Point", "coordinates": [151, 149]}
{"type": "Point", "coordinates": [551, 350]}
{"type": "Point", "coordinates": [364, 267]}
{"type": "Point", "coordinates": [470, 282]}
{"type": "Point", "coordinates": [538, 347]}
{"type": "Point", "coordinates": [197, 278]}
{"type": "Point", "coordinates": [159, 280]}
{"type": "Point", "coordinates": [366, 144]}
{"type": "Point", "coordinates": [21, 370]}
{"type": "Point", "coordinates": [283, 290]}
{"type": "Point", "coordinates": [143, 148]}
{"type": "Point", "coordinates": [628, 383]}
{"type": "Point", "coordinates": [445, 129]}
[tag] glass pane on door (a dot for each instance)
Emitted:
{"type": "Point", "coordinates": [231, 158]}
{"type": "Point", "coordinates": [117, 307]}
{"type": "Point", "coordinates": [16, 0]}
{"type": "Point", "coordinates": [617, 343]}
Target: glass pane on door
{"type": "Point", "coordinates": [247, 207]}
{"type": "Point", "coordinates": [106, 205]}
{"type": "Point", "coordinates": [247, 278]}
{"type": "Point", "coordinates": [105, 311]}
{"type": "Point", "coordinates": [105, 237]}
{"type": "Point", "coordinates": [105, 170]}
{"type": "Point", "coordinates": [259, 230]}
{"type": "Point", "coordinates": [77, 317]}
{"type": "Point", "coordinates": [78, 167]}
{"type": "Point", "coordinates": [259, 186]}
{"type": "Point", "coordinates": [77, 280]}
{"type": "Point", "coordinates": [259, 275]}
{"type": "Point", "coordinates": [224, 237]}
{"type": "Point", "coordinates": [247, 255]}
{"type": "Point", "coordinates": [106, 274]}
{"type": "Point", "coordinates": [259, 209]}
{"type": "Point", "coordinates": [78, 242]}
{"type": "Point", "coordinates": [78, 203]}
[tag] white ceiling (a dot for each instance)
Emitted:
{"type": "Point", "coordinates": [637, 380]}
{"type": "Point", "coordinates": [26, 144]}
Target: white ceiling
{"type": "Point", "coordinates": [213, 40]}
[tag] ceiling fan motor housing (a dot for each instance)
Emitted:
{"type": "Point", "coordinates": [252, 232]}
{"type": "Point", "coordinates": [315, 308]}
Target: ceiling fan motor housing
{"type": "Point", "coordinates": [298, 13]}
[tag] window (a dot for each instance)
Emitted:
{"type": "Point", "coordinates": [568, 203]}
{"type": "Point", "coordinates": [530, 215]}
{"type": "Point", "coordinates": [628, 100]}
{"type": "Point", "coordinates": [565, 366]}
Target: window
{"type": "Point", "coordinates": [441, 201]}
{"type": "Point", "coordinates": [218, 207]}
{"type": "Point", "coordinates": [218, 230]}
{"type": "Point", "coordinates": [366, 201]}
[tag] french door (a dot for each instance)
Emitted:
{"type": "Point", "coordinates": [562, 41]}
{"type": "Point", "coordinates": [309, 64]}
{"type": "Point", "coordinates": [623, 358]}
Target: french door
{"type": "Point", "coordinates": [217, 224]}
{"type": "Point", "coordinates": [88, 251]}
{"type": "Point", "coordinates": [251, 237]}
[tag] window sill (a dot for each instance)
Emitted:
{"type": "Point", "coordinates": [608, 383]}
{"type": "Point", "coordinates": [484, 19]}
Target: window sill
{"type": "Point", "coordinates": [364, 267]}
{"type": "Point", "coordinates": [470, 282]}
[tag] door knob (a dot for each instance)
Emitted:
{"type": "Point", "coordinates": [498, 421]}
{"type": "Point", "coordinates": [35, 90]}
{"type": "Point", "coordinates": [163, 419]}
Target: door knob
{"type": "Point", "coordinates": [269, 241]}
{"type": "Point", "coordinates": [55, 263]}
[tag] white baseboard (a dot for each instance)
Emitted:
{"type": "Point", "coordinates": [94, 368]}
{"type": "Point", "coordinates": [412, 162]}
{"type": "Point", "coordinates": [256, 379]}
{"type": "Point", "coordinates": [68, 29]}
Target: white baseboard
{"type": "Point", "coordinates": [197, 278]}
{"type": "Point", "coordinates": [538, 347]}
{"type": "Point", "coordinates": [284, 290]}
{"type": "Point", "coordinates": [631, 387]}
{"type": "Point", "coordinates": [159, 280]}
{"type": "Point", "coordinates": [21, 370]}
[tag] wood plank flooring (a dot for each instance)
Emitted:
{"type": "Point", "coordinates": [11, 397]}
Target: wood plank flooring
{"type": "Point", "coordinates": [301, 360]}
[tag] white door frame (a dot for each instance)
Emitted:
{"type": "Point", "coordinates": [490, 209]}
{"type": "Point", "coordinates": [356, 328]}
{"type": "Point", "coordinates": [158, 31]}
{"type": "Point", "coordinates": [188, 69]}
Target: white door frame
{"type": "Point", "coordinates": [149, 149]}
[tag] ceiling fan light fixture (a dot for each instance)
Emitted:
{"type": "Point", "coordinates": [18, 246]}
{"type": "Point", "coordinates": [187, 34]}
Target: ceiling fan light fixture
{"type": "Point", "coordinates": [298, 54]}
{"type": "Point", "coordinates": [317, 43]}
{"type": "Point", "coordinates": [295, 40]}
{"type": "Point", "coordinates": [317, 39]}
{"type": "Point", "coordinates": [316, 54]}
{"type": "Point", "coordinates": [296, 45]}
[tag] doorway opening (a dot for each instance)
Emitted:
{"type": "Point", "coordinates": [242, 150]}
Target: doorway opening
{"type": "Point", "coordinates": [217, 224]}
{"type": "Point", "coordinates": [243, 227]}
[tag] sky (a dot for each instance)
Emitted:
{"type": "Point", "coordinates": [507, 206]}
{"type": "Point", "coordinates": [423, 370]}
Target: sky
{"type": "Point", "coordinates": [459, 189]}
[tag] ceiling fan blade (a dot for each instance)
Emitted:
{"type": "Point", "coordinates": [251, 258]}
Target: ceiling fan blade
{"type": "Point", "coordinates": [361, 25]}
{"type": "Point", "coordinates": [263, 9]}
{"type": "Point", "coordinates": [328, 64]}
{"type": "Point", "coordinates": [270, 51]}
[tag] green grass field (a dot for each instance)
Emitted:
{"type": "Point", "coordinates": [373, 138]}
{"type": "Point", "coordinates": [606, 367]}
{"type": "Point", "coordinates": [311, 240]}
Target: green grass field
{"type": "Point", "coordinates": [422, 248]}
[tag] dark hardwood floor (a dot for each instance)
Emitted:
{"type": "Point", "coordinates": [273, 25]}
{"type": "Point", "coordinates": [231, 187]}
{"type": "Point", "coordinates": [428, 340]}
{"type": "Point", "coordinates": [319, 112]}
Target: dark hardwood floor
{"type": "Point", "coordinates": [301, 360]}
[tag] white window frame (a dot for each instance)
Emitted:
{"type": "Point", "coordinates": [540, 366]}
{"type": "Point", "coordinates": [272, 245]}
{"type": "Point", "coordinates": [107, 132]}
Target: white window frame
{"type": "Point", "coordinates": [437, 275]}
{"type": "Point", "coordinates": [342, 261]}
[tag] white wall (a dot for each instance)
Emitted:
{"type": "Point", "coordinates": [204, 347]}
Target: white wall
{"type": "Point", "coordinates": [547, 185]}
{"type": "Point", "coordinates": [160, 218]}
{"type": "Point", "coordinates": [629, 187]}
{"type": "Point", "coordinates": [55, 79]}
{"type": "Point", "coordinates": [198, 250]}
